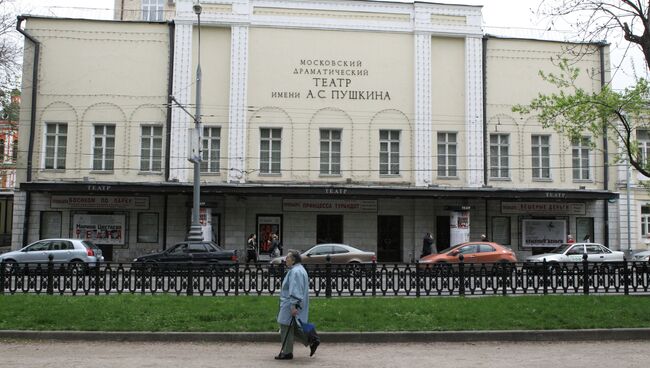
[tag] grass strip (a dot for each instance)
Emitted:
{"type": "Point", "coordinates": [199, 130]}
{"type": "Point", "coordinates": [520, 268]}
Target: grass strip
{"type": "Point", "coordinates": [257, 313]}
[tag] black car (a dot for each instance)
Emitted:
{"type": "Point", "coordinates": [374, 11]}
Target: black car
{"type": "Point", "coordinates": [201, 253]}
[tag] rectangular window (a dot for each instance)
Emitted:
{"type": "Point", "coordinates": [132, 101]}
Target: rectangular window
{"type": "Point", "coordinates": [501, 230]}
{"type": "Point", "coordinates": [447, 156]}
{"type": "Point", "coordinates": [541, 156]}
{"type": "Point", "coordinates": [389, 152]}
{"type": "Point", "coordinates": [151, 149]}
{"type": "Point", "coordinates": [103, 147]}
{"type": "Point", "coordinates": [56, 140]}
{"type": "Point", "coordinates": [643, 137]}
{"type": "Point", "coordinates": [152, 10]}
{"type": "Point", "coordinates": [211, 150]}
{"type": "Point", "coordinates": [50, 224]}
{"type": "Point", "coordinates": [581, 149]}
{"type": "Point", "coordinates": [499, 156]}
{"type": "Point", "coordinates": [270, 150]}
{"type": "Point", "coordinates": [645, 221]}
{"type": "Point", "coordinates": [147, 227]}
{"type": "Point", "coordinates": [330, 152]}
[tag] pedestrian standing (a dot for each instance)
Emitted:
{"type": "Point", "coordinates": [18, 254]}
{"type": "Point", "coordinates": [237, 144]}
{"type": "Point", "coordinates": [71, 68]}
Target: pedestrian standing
{"type": "Point", "coordinates": [427, 245]}
{"type": "Point", "coordinates": [251, 249]}
{"type": "Point", "coordinates": [570, 239]}
{"type": "Point", "coordinates": [276, 248]}
{"type": "Point", "coordinates": [294, 304]}
{"type": "Point", "coordinates": [484, 237]}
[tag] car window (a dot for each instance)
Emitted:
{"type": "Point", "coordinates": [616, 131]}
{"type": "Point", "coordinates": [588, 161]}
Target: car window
{"type": "Point", "coordinates": [40, 246]}
{"type": "Point", "coordinates": [576, 249]}
{"type": "Point", "coordinates": [87, 244]}
{"type": "Point", "coordinates": [212, 247]}
{"type": "Point", "coordinates": [59, 245]}
{"type": "Point", "coordinates": [484, 248]}
{"type": "Point", "coordinates": [593, 249]}
{"type": "Point", "coordinates": [178, 248]}
{"type": "Point", "coordinates": [339, 250]}
{"type": "Point", "coordinates": [197, 248]}
{"type": "Point", "coordinates": [321, 250]}
{"type": "Point", "coordinates": [468, 249]}
{"type": "Point", "coordinates": [604, 249]}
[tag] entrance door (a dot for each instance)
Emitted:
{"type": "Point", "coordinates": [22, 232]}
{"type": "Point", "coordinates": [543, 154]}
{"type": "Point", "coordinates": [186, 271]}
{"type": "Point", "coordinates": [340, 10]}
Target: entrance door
{"type": "Point", "coordinates": [329, 229]}
{"type": "Point", "coordinates": [442, 233]}
{"type": "Point", "coordinates": [389, 238]}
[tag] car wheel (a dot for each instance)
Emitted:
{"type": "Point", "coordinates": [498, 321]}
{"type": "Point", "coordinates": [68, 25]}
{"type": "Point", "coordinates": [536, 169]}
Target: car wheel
{"type": "Point", "coordinates": [11, 265]}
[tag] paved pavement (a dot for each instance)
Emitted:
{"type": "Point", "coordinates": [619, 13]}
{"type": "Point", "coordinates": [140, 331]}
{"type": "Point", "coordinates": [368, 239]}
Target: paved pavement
{"type": "Point", "coordinates": [49, 353]}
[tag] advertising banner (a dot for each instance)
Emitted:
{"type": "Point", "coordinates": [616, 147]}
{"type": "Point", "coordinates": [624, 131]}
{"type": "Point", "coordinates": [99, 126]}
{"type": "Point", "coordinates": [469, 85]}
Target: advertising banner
{"type": "Point", "coordinates": [100, 229]}
{"type": "Point", "coordinates": [543, 233]}
{"type": "Point", "coordinates": [329, 205]}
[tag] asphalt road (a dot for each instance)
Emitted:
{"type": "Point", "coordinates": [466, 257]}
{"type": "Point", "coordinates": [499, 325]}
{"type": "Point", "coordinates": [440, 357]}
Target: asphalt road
{"type": "Point", "coordinates": [628, 354]}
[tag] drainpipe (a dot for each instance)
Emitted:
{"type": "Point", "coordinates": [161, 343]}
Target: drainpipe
{"type": "Point", "coordinates": [605, 152]}
{"type": "Point", "coordinates": [32, 123]}
{"type": "Point", "coordinates": [170, 86]}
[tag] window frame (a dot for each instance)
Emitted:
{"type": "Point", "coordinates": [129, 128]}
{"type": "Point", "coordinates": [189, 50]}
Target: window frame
{"type": "Point", "coordinates": [153, 10]}
{"type": "Point", "coordinates": [272, 165]}
{"type": "Point", "coordinates": [58, 149]}
{"type": "Point", "coordinates": [328, 157]}
{"type": "Point", "coordinates": [544, 160]}
{"type": "Point", "coordinates": [582, 147]}
{"type": "Point", "coordinates": [105, 149]}
{"type": "Point", "coordinates": [387, 153]}
{"type": "Point", "coordinates": [211, 158]}
{"type": "Point", "coordinates": [151, 137]}
{"type": "Point", "coordinates": [502, 170]}
{"type": "Point", "coordinates": [448, 170]}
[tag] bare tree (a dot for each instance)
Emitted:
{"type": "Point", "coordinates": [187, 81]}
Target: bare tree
{"type": "Point", "coordinates": [10, 48]}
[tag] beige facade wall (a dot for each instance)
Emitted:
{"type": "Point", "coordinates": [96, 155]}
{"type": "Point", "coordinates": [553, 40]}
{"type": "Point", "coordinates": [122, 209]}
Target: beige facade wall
{"type": "Point", "coordinates": [307, 80]}
{"type": "Point", "coordinates": [94, 73]}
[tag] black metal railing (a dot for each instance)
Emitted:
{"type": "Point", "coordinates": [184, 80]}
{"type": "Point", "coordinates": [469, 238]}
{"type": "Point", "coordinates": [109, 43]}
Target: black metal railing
{"type": "Point", "coordinates": [328, 279]}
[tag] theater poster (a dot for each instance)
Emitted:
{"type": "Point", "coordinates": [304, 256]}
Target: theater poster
{"type": "Point", "coordinates": [268, 225]}
{"type": "Point", "coordinates": [100, 229]}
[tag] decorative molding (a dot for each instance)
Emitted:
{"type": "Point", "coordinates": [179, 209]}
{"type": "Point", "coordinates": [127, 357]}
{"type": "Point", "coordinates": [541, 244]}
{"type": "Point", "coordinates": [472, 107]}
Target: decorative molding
{"type": "Point", "coordinates": [179, 168]}
{"type": "Point", "coordinates": [423, 119]}
{"type": "Point", "coordinates": [237, 112]}
{"type": "Point", "coordinates": [474, 110]}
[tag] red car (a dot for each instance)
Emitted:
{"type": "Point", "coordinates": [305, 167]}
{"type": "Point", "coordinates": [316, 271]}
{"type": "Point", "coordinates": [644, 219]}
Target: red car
{"type": "Point", "coordinates": [473, 252]}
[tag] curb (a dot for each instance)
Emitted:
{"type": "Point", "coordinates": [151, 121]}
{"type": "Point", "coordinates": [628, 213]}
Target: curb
{"type": "Point", "coordinates": [622, 334]}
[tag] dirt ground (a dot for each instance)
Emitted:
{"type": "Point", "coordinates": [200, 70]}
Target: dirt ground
{"type": "Point", "coordinates": [17, 353]}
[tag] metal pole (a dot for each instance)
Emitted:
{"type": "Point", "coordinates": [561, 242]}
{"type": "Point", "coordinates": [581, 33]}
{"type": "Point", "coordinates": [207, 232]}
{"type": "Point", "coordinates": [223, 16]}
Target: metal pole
{"type": "Point", "coordinates": [629, 212]}
{"type": "Point", "coordinates": [195, 232]}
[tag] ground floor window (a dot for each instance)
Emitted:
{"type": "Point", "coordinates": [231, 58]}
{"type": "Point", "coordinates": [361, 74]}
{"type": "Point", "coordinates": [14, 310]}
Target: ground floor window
{"type": "Point", "coordinates": [50, 224]}
{"type": "Point", "coordinates": [645, 221]}
{"type": "Point", "coordinates": [585, 229]}
{"type": "Point", "coordinates": [501, 230]}
{"type": "Point", "coordinates": [147, 227]}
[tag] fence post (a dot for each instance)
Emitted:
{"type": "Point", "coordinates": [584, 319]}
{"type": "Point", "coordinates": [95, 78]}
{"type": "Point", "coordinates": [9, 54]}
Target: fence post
{"type": "Point", "coordinates": [50, 275]}
{"type": "Point", "coordinates": [237, 278]}
{"type": "Point", "coordinates": [626, 278]}
{"type": "Point", "coordinates": [97, 276]}
{"type": "Point", "coordinates": [373, 268]}
{"type": "Point", "coordinates": [585, 274]}
{"type": "Point", "coordinates": [190, 277]}
{"type": "Point", "coordinates": [417, 278]}
{"type": "Point", "coordinates": [544, 275]}
{"type": "Point", "coordinates": [328, 277]}
{"type": "Point", "coordinates": [461, 275]}
{"type": "Point", "coordinates": [504, 276]}
{"type": "Point", "coordinates": [2, 277]}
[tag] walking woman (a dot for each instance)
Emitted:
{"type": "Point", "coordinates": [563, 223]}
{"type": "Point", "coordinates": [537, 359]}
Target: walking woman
{"type": "Point", "coordinates": [251, 249]}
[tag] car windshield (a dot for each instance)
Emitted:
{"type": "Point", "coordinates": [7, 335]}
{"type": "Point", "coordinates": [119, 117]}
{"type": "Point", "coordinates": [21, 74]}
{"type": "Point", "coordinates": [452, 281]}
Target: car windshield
{"type": "Point", "coordinates": [451, 248]}
{"type": "Point", "coordinates": [561, 249]}
{"type": "Point", "coordinates": [213, 247]}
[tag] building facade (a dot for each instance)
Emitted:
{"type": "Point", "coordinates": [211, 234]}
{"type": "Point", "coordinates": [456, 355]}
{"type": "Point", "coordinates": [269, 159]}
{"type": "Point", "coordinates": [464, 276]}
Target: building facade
{"type": "Point", "coordinates": [368, 123]}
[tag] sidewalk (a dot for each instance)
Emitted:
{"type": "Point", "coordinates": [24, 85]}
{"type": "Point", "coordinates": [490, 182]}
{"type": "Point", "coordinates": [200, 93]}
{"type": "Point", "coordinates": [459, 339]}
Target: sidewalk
{"type": "Point", "coordinates": [622, 334]}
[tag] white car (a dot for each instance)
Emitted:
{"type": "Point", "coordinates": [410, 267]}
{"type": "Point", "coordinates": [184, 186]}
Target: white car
{"type": "Point", "coordinates": [641, 256]}
{"type": "Point", "coordinates": [61, 250]}
{"type": "Point", "coordinates": [573, 253]}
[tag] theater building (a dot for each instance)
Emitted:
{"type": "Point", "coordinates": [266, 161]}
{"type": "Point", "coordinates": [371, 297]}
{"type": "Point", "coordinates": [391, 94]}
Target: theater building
{"type": "Point", "coordinates": [361, 122]}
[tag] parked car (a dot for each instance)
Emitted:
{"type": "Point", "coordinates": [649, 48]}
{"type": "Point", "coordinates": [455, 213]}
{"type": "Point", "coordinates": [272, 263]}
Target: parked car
{"type": "Point", "coordinates": [339, 254]}
{"type": "Point", "coordinates": [473, 252]}
{"type": "Point", "coordinates": [641, 256]}
{"type": "Point", "coordinates": [190, 252]}
{"type": "Point", "coordinates": [62, 251]}
{"type": "Point", "coordinates": [573, 253]}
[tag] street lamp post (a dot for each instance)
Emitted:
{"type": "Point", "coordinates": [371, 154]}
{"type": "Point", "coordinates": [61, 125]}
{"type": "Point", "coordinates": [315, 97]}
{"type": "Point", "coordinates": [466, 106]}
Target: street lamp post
{"type": "Point", "coordinates": [195, 232]}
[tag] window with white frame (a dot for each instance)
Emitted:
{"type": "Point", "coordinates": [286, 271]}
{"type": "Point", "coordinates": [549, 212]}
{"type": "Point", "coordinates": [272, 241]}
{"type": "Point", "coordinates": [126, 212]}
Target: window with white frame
{"type": "Point", "coordinates": [541, 156]}
{"type": "Point", "coordinates": [152, 10]}
{"type": "Point", "coordinates": [643, 137]}
{"type": "Point", "coordinates": [389, 152]}
{"type": "Point", "coordinates": [645, 221]}
{"type": "Point", "coordinates": [499, 156]}
{"type": "Point", "coordinates": [581, 150]}
{"type": "Point", "coordinates": [103, 147]}
{"type": "Point", "coordinates": [151, 148]}
{"type": "Point", "coordinates": [56, 141]}
{"type": "Point", "coordinates": [270, 150]}
{"type": "Point", "coordinates": [330, 152]}
{"type": "Point", "coordinates": [211, 150]}
{"type": "Point", "coordinates": [447, 156]}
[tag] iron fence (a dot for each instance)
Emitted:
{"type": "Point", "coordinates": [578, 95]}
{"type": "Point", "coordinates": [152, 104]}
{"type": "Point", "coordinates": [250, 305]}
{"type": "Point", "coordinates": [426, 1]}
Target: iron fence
{"type": "Point", "coordinates": [328, 279]}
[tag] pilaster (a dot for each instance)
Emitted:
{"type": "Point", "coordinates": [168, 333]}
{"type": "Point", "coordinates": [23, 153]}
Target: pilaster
{"type": "Point", "coordinates": [237, 113]}
{"type": "Point", "coordinates": [474, 110]}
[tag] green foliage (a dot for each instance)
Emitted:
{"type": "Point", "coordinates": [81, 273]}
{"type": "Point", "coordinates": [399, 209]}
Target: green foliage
{"type": "Point", "coordinates": [258, 314]}
{"type": "Point", "coordinates": [573, 112]}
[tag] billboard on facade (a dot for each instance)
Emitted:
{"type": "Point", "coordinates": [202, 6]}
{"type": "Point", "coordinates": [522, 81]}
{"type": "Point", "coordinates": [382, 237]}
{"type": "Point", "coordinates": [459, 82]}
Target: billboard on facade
{"type": "Point", "coordinates": [543, 233]}
{"type": "Point", "coordinates": [100, 229]}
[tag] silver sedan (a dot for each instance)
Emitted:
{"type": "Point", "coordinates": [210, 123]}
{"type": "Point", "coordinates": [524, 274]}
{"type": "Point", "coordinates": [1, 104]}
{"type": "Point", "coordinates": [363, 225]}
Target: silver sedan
{"type": "Point", "coordinates": [574, 253]}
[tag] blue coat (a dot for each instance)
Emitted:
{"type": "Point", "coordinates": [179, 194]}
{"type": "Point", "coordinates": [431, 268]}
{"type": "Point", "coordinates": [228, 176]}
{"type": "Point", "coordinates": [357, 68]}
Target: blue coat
{"type": "Point", "coordinates": [295, 290]}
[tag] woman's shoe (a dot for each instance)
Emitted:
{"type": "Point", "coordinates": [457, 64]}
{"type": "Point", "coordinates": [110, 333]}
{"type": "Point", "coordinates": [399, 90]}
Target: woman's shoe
{"type": "Point", "coordinates": [283, 356]}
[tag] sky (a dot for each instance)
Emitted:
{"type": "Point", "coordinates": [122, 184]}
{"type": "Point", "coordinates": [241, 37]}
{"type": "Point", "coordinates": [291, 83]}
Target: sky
{"type": "Point", "coordinates": [513, 18]}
